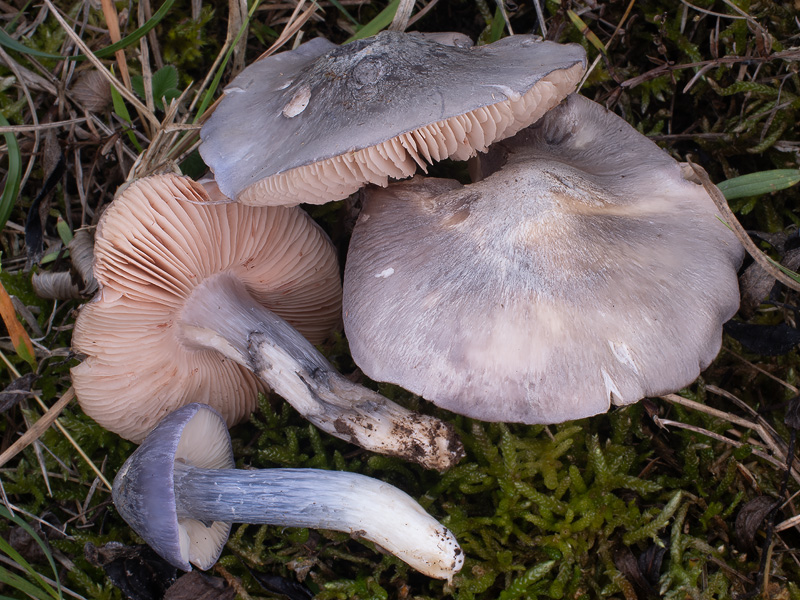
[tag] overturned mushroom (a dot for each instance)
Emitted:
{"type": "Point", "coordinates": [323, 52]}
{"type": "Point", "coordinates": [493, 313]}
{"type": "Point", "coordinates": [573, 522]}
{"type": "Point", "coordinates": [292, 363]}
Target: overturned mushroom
{"type": "Point", "coordinates": [180, 493]}
{"type": "Point", "coordinates": [587, 271]}
{"type": "Point", "coordinates": [193, 298]}
{"type": "Point", "coordinates": [315, 124]}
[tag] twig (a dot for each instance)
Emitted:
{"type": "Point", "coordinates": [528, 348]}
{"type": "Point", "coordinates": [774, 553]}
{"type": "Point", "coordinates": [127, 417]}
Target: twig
{"type": "Point", "coordinates": [722, 60]}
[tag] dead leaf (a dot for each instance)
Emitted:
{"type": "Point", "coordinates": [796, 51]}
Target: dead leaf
{"type": "Point", "coordinates": [19, 337]}
{"type": "Point", "coordinates": [197, 586]}
{"type": "Point", "coordinates": [749, 520]}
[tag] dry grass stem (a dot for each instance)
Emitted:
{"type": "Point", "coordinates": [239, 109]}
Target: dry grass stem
{"type": "Point", "coordinates": [761, 453]}
{"type": "Point", "coordinates": [710, 12]}
{"type": "Point", "coordinates": [422, 12]}
{"type": "Point", "coordinates": [124, 92]}
{"type": "Point", "coordinates": [53, 419]}
{"type": "Point", "coordinates": [741, 234]}
{"type": "Point", "coordinates": [769, 441]}
{"type": "Point", "coordinates": [403, 14]}
{"type": "Point", "coordinates": [161, 151]}
{"type": "Point", "coordinates": [41, 126]}
{"type": "Point", "coordinates": [785, 384]}
{"type": "Point", "coordinates": [37, 429]}
{"type": "Point", "coordinates": [237, 18]}
{"type": "Point", "coordinates": [12, 64]}
{"type": "Point", "coordinates": [293, 26]}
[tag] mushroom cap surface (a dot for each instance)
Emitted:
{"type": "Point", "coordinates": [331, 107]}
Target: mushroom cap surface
{"type": "Point", "coordinates": [587, 271]}
{"type": "Point", "coordinates": [316, 123]}
{"type": "Point", "coordinates": [156, 243]}
{"type": "Point", "coordinates": [144, 493]}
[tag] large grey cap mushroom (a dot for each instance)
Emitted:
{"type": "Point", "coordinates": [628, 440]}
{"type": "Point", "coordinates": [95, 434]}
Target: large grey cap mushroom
{"type": "Point", "coordinates": [588, 271]}
{"type": "Point", "coordinates": [315, 124]}
{"type": "Point", "coordinates": [179, 492]}
{"type": "Point", "coordinates": [199, 300]}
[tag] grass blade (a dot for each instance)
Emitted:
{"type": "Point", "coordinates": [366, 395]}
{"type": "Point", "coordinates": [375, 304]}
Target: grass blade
{"type": "Point", "coordinates": [23, 585]}
{"type": "Point", "coordinates": [5, 513]}
{"type": "Point", "coordinates": [122, 112]}
{"type": "Point", "coordinates": [382, 21]}
{"type": "Point", "coordinates": [756, 184]}
{"type": "Point", "coordinates": [138, 34]}
{"type": "Point", "coordinates": [212, 88]}
{"type": "Point", "coordinates": [344, 12]}
{"type": "Point", "coordinates": [12, 44]}
{"type": "Point", "coordinates": [11, 190]}
{"type": "Point", "coordinates": [586, 32]}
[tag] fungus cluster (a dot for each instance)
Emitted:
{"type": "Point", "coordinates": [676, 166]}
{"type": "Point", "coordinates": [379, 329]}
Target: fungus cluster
{"type": "Point", "coordinates": [584, 270]}
{"type": "Point", "coordinates": [182, 315]}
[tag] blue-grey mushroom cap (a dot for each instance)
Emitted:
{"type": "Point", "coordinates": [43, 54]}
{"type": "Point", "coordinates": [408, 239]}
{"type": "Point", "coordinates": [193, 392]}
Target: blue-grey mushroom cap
{"type": "Point", "coordinates": [589, 270]}
{"type": "Point", "coordinates": [143, 490]}
{"type": "Point", "coordinates": [316, 123]}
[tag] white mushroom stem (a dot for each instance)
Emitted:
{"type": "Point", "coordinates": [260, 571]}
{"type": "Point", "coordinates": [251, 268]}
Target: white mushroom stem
{"type": "Point", "coordinates": [222, 315]}
{"type": "Point", "coordinates": [339, 501]}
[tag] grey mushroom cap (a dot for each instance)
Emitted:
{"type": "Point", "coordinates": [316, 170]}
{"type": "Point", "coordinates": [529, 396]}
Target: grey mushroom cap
{"type": "Point", "coordinates": [287, 114]}
{"type": "Point", "coordinates": [585, 272]}
{"type": "Point", "coordinates": [144, 494]}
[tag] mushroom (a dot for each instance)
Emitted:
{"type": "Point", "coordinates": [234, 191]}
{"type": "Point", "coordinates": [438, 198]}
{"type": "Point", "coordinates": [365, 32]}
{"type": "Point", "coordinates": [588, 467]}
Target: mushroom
{"type": "Point", "coordinates": [180, 493]}
{"type": "Point", "coordinates": [192, 305]}
{"type": "Point", "coordinates": [374, 109]}
{"type": "Point", "coordinates": [590, 270]}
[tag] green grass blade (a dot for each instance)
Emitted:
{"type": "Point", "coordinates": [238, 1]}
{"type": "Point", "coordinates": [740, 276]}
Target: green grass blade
{"type": "Point", "coordinates": [787, 272]}
{"type": "Point", "coordinates": [377, 24]}
{"type": "Point", "coordinates": [6, 514]}
{"type": "Point", "coordinates": [23, 585]}
{"type": "Point", "coordinates": [756, 184]}
{"type": "Point", "coordinates": [11, 190]}
{"type": "Point", "coordinates": [64, 232]}
{"type": "Point", "coordinates": [122, 112]}
{"type": "Point", "coordinates": [138, 34]}
{"type": "Point", "coordinates": [212, 88]}
{"type": "Point", "coordinates": [346, 14]}
{"type": "Point", "coordinates": [12, 44]}
{"type": "Point", "coordinates": [498, 24]}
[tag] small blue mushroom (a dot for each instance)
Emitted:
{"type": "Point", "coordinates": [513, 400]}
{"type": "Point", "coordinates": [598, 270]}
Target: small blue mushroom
{"type": "Point", "coordinates": [180, 493]}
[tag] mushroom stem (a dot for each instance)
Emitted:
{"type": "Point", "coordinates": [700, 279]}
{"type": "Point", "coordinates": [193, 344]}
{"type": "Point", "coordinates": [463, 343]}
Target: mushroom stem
{"type": "Point", "coordinates": [221, 314]}
{"type": "Point", "coordinates": [339, 501]}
